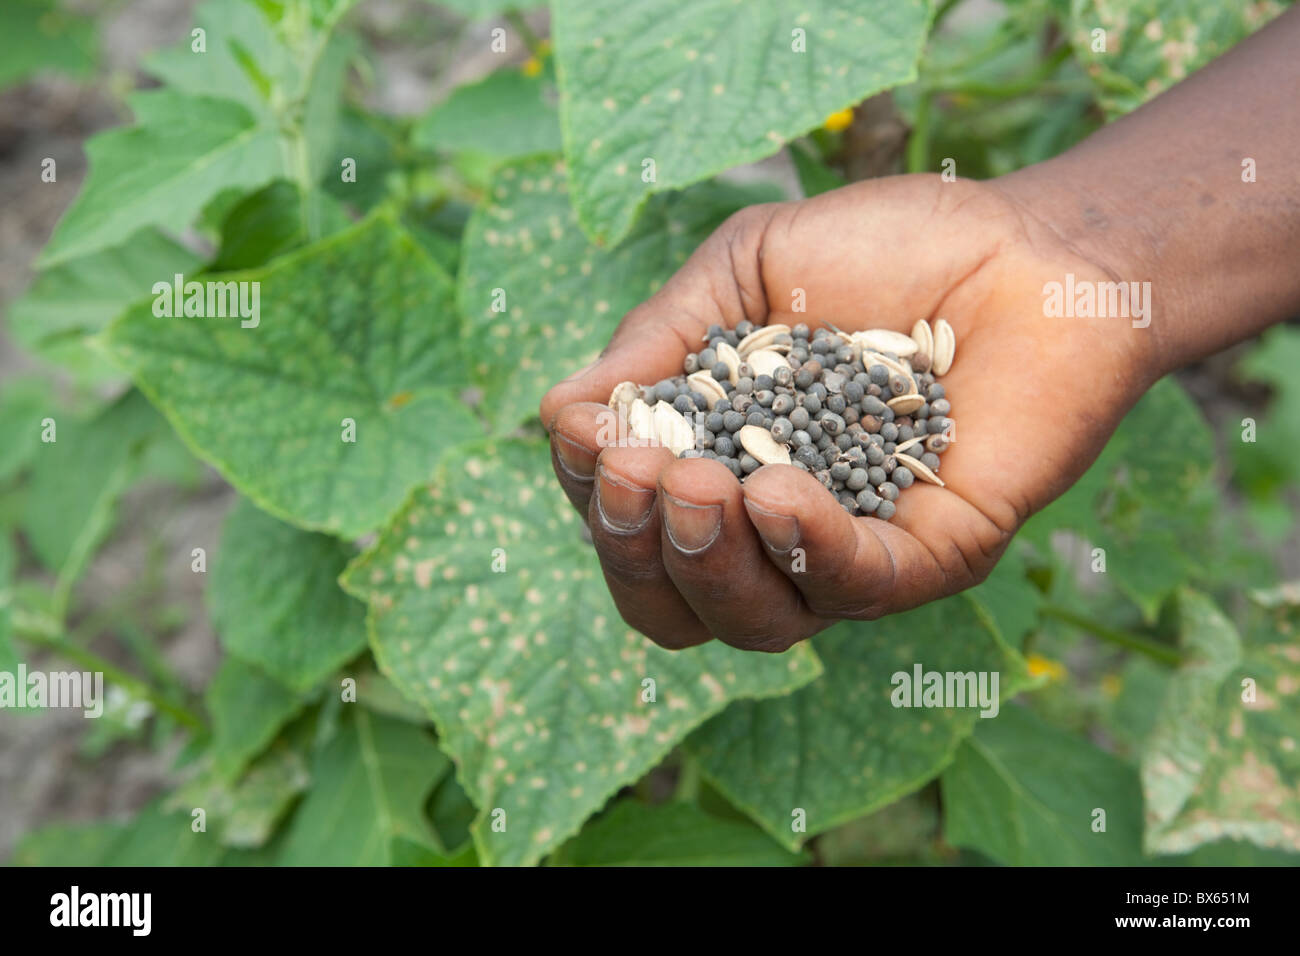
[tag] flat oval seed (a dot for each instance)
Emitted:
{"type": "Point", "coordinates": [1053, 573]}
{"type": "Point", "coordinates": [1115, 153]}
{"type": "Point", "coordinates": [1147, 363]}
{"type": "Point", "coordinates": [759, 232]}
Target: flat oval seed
{"type": "Point", "coordinates": [885, 340]}
{"type": "Point", "coordinates": [624, 394]}
{"type": "Point", "coordinates": [919, 469]}
{"type": "Point", "coordinates": [672, 430]}
{"type": "Point", "coordinates": [763, 338]}
{"type": "Point", "coordinates": [707, 385]}
{"type": "Point", "coordinates": [729, 357]}
{"type": "Point", "coordinates": [924, 339]}
{"type": "Point", "coordinates": [766, 362]}
{"type": "Point", "coordinates": [906, 404]}
{"type": "Point", "coordinates": [760, 443]}
{"type": "Point", "coordinates": [945, 347]}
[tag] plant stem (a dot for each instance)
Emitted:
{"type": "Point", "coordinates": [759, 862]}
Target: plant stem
{"type": "Point", "coordinates": [42, 637]}
{"type": "Point", "coordinates": [1032, 82]}
{"type": "Point", "coordinates": [688, 780]}
{"type": "Point", "coordinates": [1133, 642]}
{"type": "Point", "coordinates": [520, 25]}
{"type": "Point", "coordinates": [918, 144]}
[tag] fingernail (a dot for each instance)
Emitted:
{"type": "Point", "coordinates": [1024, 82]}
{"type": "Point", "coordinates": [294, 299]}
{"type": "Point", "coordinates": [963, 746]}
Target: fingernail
{"type": "Point", "coordinates": [621, 505]}
{"type": "Point", "coordinates": [575, 459]}
{"type": "Point", "coordinates": [779, 532]}
{"type": "Point", "coordinates": [579, 373]}
{"type": "Point", "coordinates": [691, 527]}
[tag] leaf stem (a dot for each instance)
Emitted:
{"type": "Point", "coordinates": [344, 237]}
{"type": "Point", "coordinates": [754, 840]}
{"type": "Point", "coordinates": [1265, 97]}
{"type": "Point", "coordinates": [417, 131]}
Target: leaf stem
{"type": "Point", "coordinates": [520, 25]}
{"type": "Point", "coordinates": [31, 632]}
{"type": "Point", "coordinates": [1133, 642]}
{"type": "Point", "coordinates": [918, 144]}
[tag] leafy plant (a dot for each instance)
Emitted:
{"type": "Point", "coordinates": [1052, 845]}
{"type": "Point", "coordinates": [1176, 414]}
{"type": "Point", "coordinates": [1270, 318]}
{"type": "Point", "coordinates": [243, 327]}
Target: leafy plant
{"type": "Point", "coordinates": [422, 665]}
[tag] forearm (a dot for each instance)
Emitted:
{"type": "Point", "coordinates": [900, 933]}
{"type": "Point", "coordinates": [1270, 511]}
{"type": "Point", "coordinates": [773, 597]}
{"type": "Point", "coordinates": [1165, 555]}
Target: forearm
{"type": "Point", "coordinates": [1160, 196]}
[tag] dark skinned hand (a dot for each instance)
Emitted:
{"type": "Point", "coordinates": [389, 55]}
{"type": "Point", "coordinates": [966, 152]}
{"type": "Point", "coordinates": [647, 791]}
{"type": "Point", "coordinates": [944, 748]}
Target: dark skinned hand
{"type": "Point", "coordinates": [692, 554]}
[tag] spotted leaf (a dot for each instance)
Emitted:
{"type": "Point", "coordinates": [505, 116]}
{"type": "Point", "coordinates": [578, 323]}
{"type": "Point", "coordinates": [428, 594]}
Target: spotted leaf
{"type": "Point", "coordinates": [685, 91]}
{"type": "Point", "coordinates": [541, 301]}
{"type": "Point", "coordinates": [488, 608]}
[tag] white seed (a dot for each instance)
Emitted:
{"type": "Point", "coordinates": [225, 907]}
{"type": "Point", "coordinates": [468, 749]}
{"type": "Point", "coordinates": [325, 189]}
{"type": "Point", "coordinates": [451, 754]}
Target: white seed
{"type": "Point", "coordinates": [924, 339]}
{"type": "Point", "coordinates": [760, 443]}
{"type": "Point", "coordinates": [766, 361]}
{"type": "Point", "coordinates": [731, 358]}
{"type": "Point", "coordinates": [640, 421]}
{"type": "Point", "coordinates": [903, 446]}
{"type": "Point", "coordinates": [671, 429]}
{"type": "Point", "coordinates": [886, 340]}
{"type": "Point", "coordinates": [623, 395]}
{"type": "Point", "coordinates": [906, 404]}
{"type": "Point", "coordinates": [918, 468]}
{"type": "Point", "coordinates": [708, 386]}
{"type": "Point", "coordinates": [762, 339]}
{"type": "Point", "coordinates": [945, 346]}
{"type": "Point", "coordinates": [870, 358]}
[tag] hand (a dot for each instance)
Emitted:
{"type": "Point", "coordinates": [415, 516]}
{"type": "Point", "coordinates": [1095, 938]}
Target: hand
{"type": "Point", "coordinates": [690, 553]}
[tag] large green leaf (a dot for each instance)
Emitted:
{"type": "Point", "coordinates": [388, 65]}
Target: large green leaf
{"type": "Point", "coordinates": [1222, 759]}
{"type": "Point", "coordinates": [153, 838]}
{"type": "Point", "coordinates": [270, 223]}
{"type": "Point", "coordinates": [1149, 500]}
{"type": "Point", "coordinates": [675, 834]}
{"type": "Point", "coordinates": [24, 404]}
{"type": "Point", "coordinates": [276, 602]}
{"type": "Point", "coordinates": [366, 805]}
{"type": "Point", "coordinates": [83, 295]}
{"type": "Point", "coordinates": [358, 326]}
{"type": "Point", "coordinates": [77, 480]}
{"type": "Point", "coordinates": [563, 296]}
{"type": "Point", "coordinates": [1027, 794]}
{"type": "Point", "coordinates": [839, 748]}
{"type": "Point", "coordinates": [183, 151]}
{"type": "Point", "coordinates": [701, 87]}
{"type": "Point", "coordinates": [487, 607]}
{"type": "Point", "coordinates": [475, 117]}
{"type": "Point", "coordinates": [248, 709]}
{"type": "Point", "coordinates": [1152, 44]}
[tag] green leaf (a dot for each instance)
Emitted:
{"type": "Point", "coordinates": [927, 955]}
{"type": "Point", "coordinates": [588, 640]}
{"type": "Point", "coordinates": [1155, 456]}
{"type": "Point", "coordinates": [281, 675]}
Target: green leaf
{"type": "Point", "coordinates": [904, 832]}
{"type": "Point", "coordinates": [276, 602]}
{"type": "Point", "coordinates": [675, 834]}
{"type": "Point", "coordinates": [1267, 467]}
{"type": "Point", "coordinates": [814, 175]}
{"type": "Point", "coordinates": [38, 36]}
{"type": "Point", "coordinates": [505, 115]}
{"type": "Point", "coordinates": [1179, 744]}
{"type": "Point", "coordinates": [839, 748]}
{"type": "Point", "coordinates": [82, 296]}
{"type": "Point", "coordinates": [24, 404]}
{"type": "Point", "coordinates": [245, 814]}
{"type": "Point", "coordinates": [1149, 500]}
{"type": "Point", "coordinates": [481, 9]}
{"type": "Point", "coordinates": [248, 709]}
{"type": "Point", "coordinates": [452, 814]}
{"type": "Point", "coordinates": [1222, 759]}
{"type": "Point", "coordinates": [630, 73]}
{"type": "Point", "coordinates": [270, 223]}
{"type": "Point", "coordinates": [183, 151]}
{"type": "Point", "coordinates": [563, 296]}
{"type": "Point", "coordinates": [76, 481]}
{"type": "Point", "coordinates": [1026, 794]}
{"type": "Point", "coordinates": [357, 327]}
{"type": "Point", "coordinates": [366, 805]}
{"type": "Point", "coordinates": [1152, 44]}
{"type": "Point", "coordinates": [8, 565]}
{"type": "Point", "coordinates": [1009, 598]}
{"type": "Point", "coordinates": [534, 683]}
{"type": "Point", "coordinates": [68, 844]}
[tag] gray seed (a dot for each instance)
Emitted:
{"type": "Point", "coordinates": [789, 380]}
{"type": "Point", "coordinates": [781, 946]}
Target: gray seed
{"type": "Point", "coordinates": [886, 510]}
{"type": "Point", "coordinates": [887, 490]}
{"type": "Point", "coordinates": [868, 501]}
{"type": "Point", "coordinates": [782, 430]}
{"type": "Point", "coordinates": [708, 359]}
{"type": "Point", "coordinates": [858, 479]}
{"type": "Point", "coordinates": [876, 476]}
{"type": "Point", "coordinates": [733, 421]}
{"type": "Point", "coordinates": [902, 476]}
{"type": "Point", "coordinates": [841, 469]}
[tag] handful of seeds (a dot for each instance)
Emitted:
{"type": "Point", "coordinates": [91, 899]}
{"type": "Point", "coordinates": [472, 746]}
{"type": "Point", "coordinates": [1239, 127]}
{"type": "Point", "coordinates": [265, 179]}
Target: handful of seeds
{"type": "Point", "coordinates": [862, 411]}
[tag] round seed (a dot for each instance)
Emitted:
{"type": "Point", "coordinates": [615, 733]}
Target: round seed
{"type": "Point", "coordinates": [886, 510]}
{"type": "Point", "coordinates": [887, 490]}
{"type": "Point", "coordinates": [902, 477]}
{"type": "Point", "coordinates": [876, 476]}
{"type": "Point", "coordinates": [782, 430]}
{"type": "Point", "coordinates": [841, 469]}
{"type": "Point", "coordinates": [868, 501]}
{"type": "Point", "coordinates": [857, 479]}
